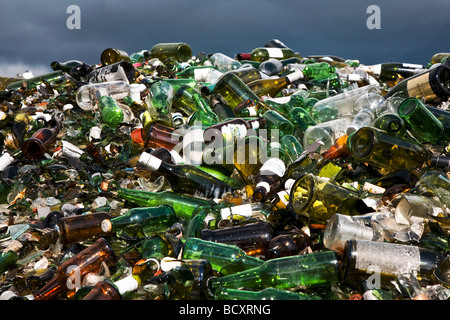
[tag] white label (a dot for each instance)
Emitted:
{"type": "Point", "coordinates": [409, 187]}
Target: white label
{"type": "Point", "coordinates": [275, 52]}
{"type": "Point", "coordinates": [274, 165]}
{"type": "Point", "coordinates": [252, 111]}
{"type": "Point", "coordinates": [126, 284]}
{"type": "Point", "coordinates": [412, 66]}
{"type": "Point", "coordinates": [151, 162]}
{"type": "Point", "coordinates": [244, 210]}
{"type": "Point", "coordinates": [201, 74]}
{"type": "Point", "coordinates": [237, 131]}
{"type": "Point", "coordinates": [295, 76]}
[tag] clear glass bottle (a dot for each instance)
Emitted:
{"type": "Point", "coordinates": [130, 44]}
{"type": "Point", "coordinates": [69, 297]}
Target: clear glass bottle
{"type": "Point", "coordinates": [224, 63]}
{"type": "Point", "coordinates": [327, 132]}
{"type": "Point", "coordinates": [223, 293]}
{"type": "Point", "coordinates": [88, 95]}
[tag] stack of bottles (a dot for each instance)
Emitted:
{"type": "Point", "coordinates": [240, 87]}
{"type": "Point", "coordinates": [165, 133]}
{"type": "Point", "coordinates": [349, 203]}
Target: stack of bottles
{"type": "Point", "coordinates": [168, 175]}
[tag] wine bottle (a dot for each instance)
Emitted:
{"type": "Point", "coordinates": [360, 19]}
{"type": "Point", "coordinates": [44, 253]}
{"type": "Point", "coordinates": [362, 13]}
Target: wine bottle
{"type": "Point", "coordinates": [65, 66]}
{"type": "Point", "coordinates": [53, 78]}
{"type": "Point", "coordinates": [119, 71]}
{"type": "Point", "coordinates": [269, 179]}
{"type": "Point", "coordinates": [223, 293]}
{"type": "Point", "coordinates": [111, 113]}
{"type": "Point", "coordinates": [186, 178]}
{"type": "Point", "coordinates": [432, 85]}
{"type": "Point", "coordinates": [112, 55]}
{"type": "Point", "coordinates": [317, 70]}
{"type": "Point", "coordinates": [39, 143]}
{"type": "Point", "coordinates": [390, 71]}
{"type": "Point", "coordinates": [81, 227]}
{"type": "Point", "coordinates": [264, 53]}
{"type": "Point", "coordinates": [224, 63]}
{"type": "Point", "coordinates": [88, 95]}
{"type": "Point", "coordinates": [288, 244]}
{"type": "Point", "coordinates": [273, 86]}
{"type": "Point", "coordinates": [181, 52]}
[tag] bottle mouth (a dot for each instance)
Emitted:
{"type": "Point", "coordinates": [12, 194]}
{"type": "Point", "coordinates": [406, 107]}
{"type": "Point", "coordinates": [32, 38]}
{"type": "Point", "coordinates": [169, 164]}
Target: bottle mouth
{"type": "Point", "coordinates": [442, 272]}
{"type": "Point", "coordinates": [301, 195]}
{"type": "Point", "coordinates": [33, 149]}
{"type": "Point", "coordinates": [362, 142]}
{"type": "Point", "coordinates": [408, 106]}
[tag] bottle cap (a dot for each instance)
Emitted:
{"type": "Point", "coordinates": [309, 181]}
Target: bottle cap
{"type": "Point", "coordinates": [126, 284]}
{"type": "Point", "coordinates": [244, 56]}
{"type": "Point", "coordinates": [149, 161]}
{"type": "Point", "coordinates": [106, 225]}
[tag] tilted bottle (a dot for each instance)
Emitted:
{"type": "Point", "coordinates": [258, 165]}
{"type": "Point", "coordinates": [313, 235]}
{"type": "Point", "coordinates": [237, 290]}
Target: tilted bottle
{"type": "Point", "coordinates": [177, 50]}
{"type": "Point", "coordinates": [78, 228]}
{"type": "Point", "coordinates": [187, 178]}
{"type": "Point", "coordinates": [224, 258]}
{"type": "Point", "coordinates": [253, 238]}
{"type": "Point", "coordinates": [388, 153]}
{"type": "Point", "coordinates": [317, 70]}
{"type": "Point", "coordinates": [444, 117]}
{"type": "Point", "coordinates": [318, 198]}
{"type": "Point", "coordinates": [222, 110]}
{"type": "Point", "coordinates": [277, 125]}
{"type": "Point", "coordinates": [113, 55]}
{"type": "Point", "coordinates": [223, 293]}
{"type": "Point", "coordinates": [149, 220]}
{"type": "Point", "coordinates": [307, 270]}
{"type": "Point", "coordinates": [156, 247]}
{"type": "Point", "coordinates": [184, 205]}
{"type": "Point", "coordinates": [273, 67]}
{"type": "Point", "coordinates": [111, 113]}
{"type": "Point", "coordinates": [7, 259]}
{"type": "Point", "coordinates": [65, 66]}
{"type": "Point", "coordinates": [224, 63]}
{"type": "Point", "coordinates": [119, 71]}
{"type": "Point", "coordinates": [269, 179]}
{"type": "Point", "coordinates": [103, 290]}
{"type": "Point", "coordinates": [88, 95]}
{"type": "Point", "coordinates": [391, 123]}
{"type": "Point", "coordinates": [327, 132]}
{"type": "Point", "coordinates": [432, 85]}
{"type": "Point", "coordinates": [421, 122]}
{"type": "Point", "coordinates": [203, 112]}
{"type": "Point", "coordinates": [273, 86]}
{"type": "Point", "coordinates": [265, 53]}
{"type": "Point", "coordinates": [71, 272]}
{"type": "Point", "coordinates": [158, 137]}
{"type": "Point", "coordinates": [361, 257]}
{"type": "Point", "coordinates": [390, 71]}
{"type": "Point", "coordinates": [39, 143]}
{"type": "Point", "coordinates": [53, 78]}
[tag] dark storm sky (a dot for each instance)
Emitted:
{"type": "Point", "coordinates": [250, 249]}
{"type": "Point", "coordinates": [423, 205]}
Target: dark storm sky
{"type": "Point", "coordinates": [34, 33]}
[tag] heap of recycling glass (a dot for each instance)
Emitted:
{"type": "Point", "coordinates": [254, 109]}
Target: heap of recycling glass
{"type": "Point", "coordinates": [164, 175]}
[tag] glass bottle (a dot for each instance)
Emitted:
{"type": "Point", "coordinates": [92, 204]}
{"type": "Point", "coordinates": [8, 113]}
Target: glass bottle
{"type": "Point", "coordinates": [275, 43]}
{"type": "Point", "coordinates": [253, 238]}
{"type": "Point", "coordinates": [39, 143]}
{"type": "Point", "coordinates": [53, 78]}
{"type": "Point", "coordinates": [224, 63]}
{"type": "Point", "coordinates": [88, 95]}
{"type": "Point", "coordinates": [185, 206]}
{"type": "Point", "coordinates": [444, 117]}
{"type": "Point", "coordinates": [273, 86]}
{"type": "Point", "coordinates": [390, 71]}
{"type": "Point", "coordinates": [111, 113]}
{"type": "Point", "coordinates": [183, 100]}
{"type": "Point", "coordinates": [391, 123]}
{"type": "Point", "coordinates": [318, 70]}
{"type": "Point", "coordinates": [388, 260]}
{"type": "Point", "coordinates": [247, 74]}
{"type": "Point", "coordinates": [7, 259]}
{"type": "Point", "coordinates": [111, 55]}
{"type": "Point", "coordinates": [81, 227]}
{"type": "Point", "coordinates": [387, 152]}
{"type": "Point", "coordinates": [207, 74]}
{"type": "Point", "coordinates": [288, 244]}
{"type": "Point", "coordinates": [265, 294]}
{"type": "Point", "coordinates": [203, 112]}
{"type": "Point", "coordinates": [327, 132]}
{"type": "Point", "coordinates": [186, 178]}
{"type": "Point", "coordinates": [156, 247]}
{"type": "Point", "coordinates": [178, 50]}
{"type": "Point", "coordinates": [65, 66]}
{"type": "Point", "coordinates": [307, 270]}
{"type": "Point", "coordinates": [160, 97]}
{"type": "Point", "coordinates": [423, 125]}
{"type": "Point", "coordinates": [432, 85]}
{"type": "Point", "coordinates": [234, 91]}
{"type": "Point", "coordinates": [273, 67]}
{"type": "Point", "coordinates": [319, 198]}
{"type": "Point", "coordinates": [276, 121]}
{"type": "Point", "coordinates": [268, 180]}
{"type": "Point", "coordinates": [367, 108]}
{"type": "Point", "coordinates": [264, 53]}
{"type": "Point", "coordinates": [150, 220]}
{"type": "Point", "coordinates": [249, 156]}
{"type": "Point", "coordinates": [224, 258]}
{"type": "Point", "coordinates": [301, 119]}
{"type": "Point", "coordinates": [103, 290]}
{"type": "Point", "coordinates": [157, 137]}
{"type": "Point", "coordinates": [71, 272]}
{"type": "Point", "coordinates": [222, 110]}
{"type": "Point", "coordinates": [119, 71]}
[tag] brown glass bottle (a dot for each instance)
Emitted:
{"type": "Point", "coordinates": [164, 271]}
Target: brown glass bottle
{"type": "Point", "coordinates": [103, 291]}
{"type": "Point", "coordinates": [288, 244]}
{"type": "Point", "coordinates": [39, 143]}
{"type": "Point", "coordinates": [71, 272]}
{"type": "Point", "coordinates": [81, 227]}
{"type": "Point", "coordinates": [253, 238]}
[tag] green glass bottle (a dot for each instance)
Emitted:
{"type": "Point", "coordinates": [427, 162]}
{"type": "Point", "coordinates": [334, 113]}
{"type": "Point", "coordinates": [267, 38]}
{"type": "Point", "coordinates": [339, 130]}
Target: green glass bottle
{"type": "Point", "coordinates": [65, 66]}
{"type": "Point", "coordinates": [276, 121]}
{"type": "Point", "coordinates": [185, 206]}
{"type": "Point", "coordinates": [223, 293]}
{"type": "Point", "coordinates": [391, 123]}
{"type": "Point", "coordinates": [387, 152]}
{"type": "Point", "coordinates": [444, 117]}
{"type": "Point", "coordinates": [222, 110]}
{"type": "Point", "coordinates": [424, 126]}
{"type": "Point", "coordinates": [262, 54]}
{"type": "Point", "coordinates": [247, 74]}
{"type": "Point", "coordinates": [7, 259]}
{"type": "Point", "coordinates": [53, 78]}
{"type": "Point", "coordinates": [234, 91]}
{"type": "Point", "coordinates": [318, 70]}
{"type": "Point", "coordinates": [156, 247]}
{"type": "Point", "coordinates": [224, 258]}
{"type": "Point", "coordinates": [301, 119]}
{"type": "Point", "coordinates": [112, 55]}
{"type": "Point", "coordinates": [183, 100]}
{"type": "Point", "coordinates": [433, 85]}
{"type": "Point", "coordinates": [292, 148]}
{"type": "Point", "coordinates": [203, 112]}
{"type": "Point", "coordinates": [390, 71]}
{"type": "Point", "coordinates": [307, 270]}
{"type": "Point", "coordinates": [178, 50]}
{"type": "Point", "coordinates": [160, 97]}
{"type": "Point", "coordinates": [318, 198]}
{"type": "Point", "coordinates": [150, 220]}
{"type": "Point", "coordinates": [112, 114]}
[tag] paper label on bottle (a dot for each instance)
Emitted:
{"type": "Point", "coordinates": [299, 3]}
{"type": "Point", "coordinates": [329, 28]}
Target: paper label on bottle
{"type": "Point", "coordinates": [237, 131]}
{"type": "Point", "coordinates": [420, 87]}
{"type": "Point", "coordinates": [275, 166]}
{"type": "Point", "coordinates": [244, 210]}
{"type": "Point", "coordinates": [412, 66]}
{"type": "Point", "coordinates": [275, 52]}
{"type": "Point", "coordinates": [281, 100]}
{"type": "Point", "coordinates": [297, 75]}
{"type": "Point", "coordinates": [252, 111]}
{"type": "Point", "coordinates": [151, 162]}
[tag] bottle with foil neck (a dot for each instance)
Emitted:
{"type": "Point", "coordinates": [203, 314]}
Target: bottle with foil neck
{"type": "Point", "coordinates": [224, 258]}
{"type": "Point", "coordinates": [184, 205]}
{"type": "Point", "coordinates": [433, 85]}
{"type": "Point", "coordinates": [265, 53]}
{"type": "Point", "coordinates": [119, 71]}
{"type": "Point", "coordinates": [72, 271]}
{"type": "Point", "coordinates": [309, 270]}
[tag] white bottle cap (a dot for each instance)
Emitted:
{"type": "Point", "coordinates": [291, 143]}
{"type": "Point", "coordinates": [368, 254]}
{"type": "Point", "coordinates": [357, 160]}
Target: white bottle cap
{"type": "Point", "coordinates": [126, 284]}
{"type": "Point", "coordinates": [151, 162]}
{"type": "Point", "coordinates": [106, 225]}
